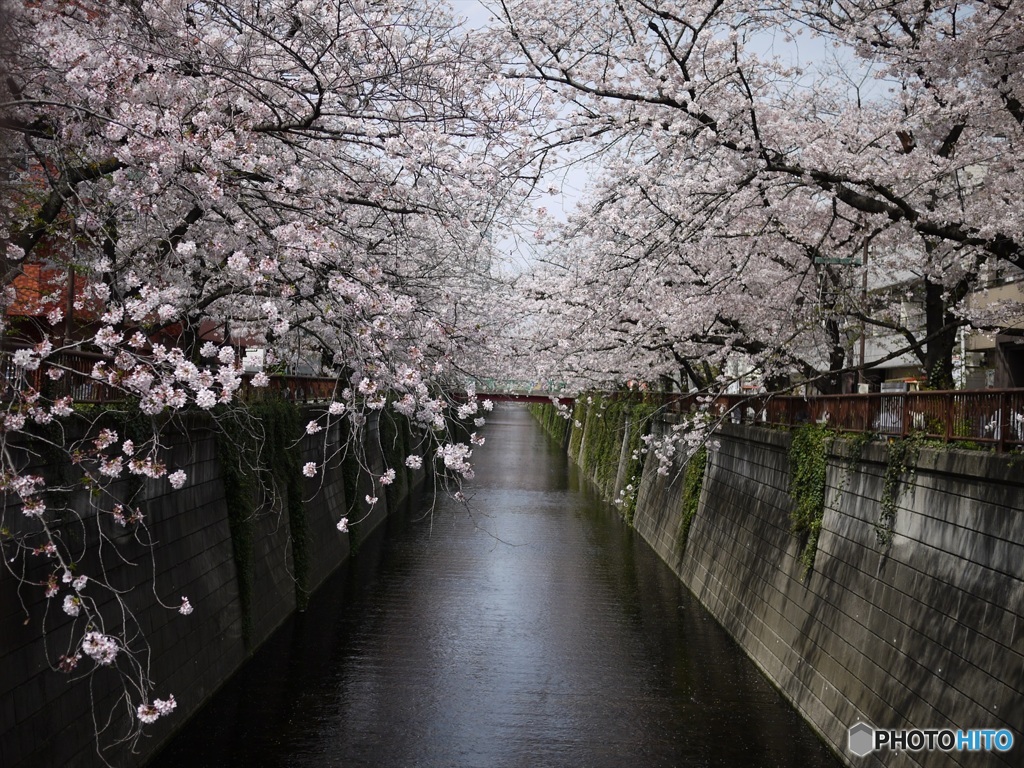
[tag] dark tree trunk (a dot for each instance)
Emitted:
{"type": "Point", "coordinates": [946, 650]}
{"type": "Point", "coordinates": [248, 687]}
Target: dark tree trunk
{"type": "Point", "coordinates": [938, 354]}
{"type": "Point", "coordinates": [832, 383]}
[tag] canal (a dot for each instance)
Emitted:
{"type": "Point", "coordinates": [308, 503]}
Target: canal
{"type": "Point", "coordinates": [533, 629]}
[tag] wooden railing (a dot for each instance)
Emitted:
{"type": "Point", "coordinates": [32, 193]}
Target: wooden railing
{"type": "Point", "coordinates": [298, 389]}
{"type": "Point", "coordinates": [77, 381]}
{"type": "Point", "coordinates": [988, 417]}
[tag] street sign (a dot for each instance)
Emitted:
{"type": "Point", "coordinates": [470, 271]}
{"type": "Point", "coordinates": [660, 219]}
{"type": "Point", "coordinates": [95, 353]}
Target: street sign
{"type": "Point", "coordinates": [837, 260]}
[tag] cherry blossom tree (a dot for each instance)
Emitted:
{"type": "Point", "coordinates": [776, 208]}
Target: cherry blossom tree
{"type": "Point", "coordinates": [323, 183]}
{"type": "Point", "coordinates": [190, 180]}
{"type": "Point", "coordinates": [739, 191]}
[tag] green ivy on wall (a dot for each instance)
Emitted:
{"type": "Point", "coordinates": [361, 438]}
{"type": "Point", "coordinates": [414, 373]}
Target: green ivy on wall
{"type": "Point", "coordinates": [639, 417]}
{"type": "Point", "coordinates": [602, 442]}
{"type": "Point", "coordinates": [808, 465]}
{"type": "Point", "coordinates": [579, 415]}
{"type": "Point", "coordinates": [605, 423]}
{"type": "Point", "coordinates": [235, 455]}
{"type": "Point", "coordinates": [901, 462]}
{"type": "Point", "coordinates": [551, 418]}
{"type": "Point", "coordinates": [281, 468]}
{"type": "Point", "coordinates": [693, 481]}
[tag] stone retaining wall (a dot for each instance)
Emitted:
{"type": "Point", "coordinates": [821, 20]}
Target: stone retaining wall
{"type": "Point", "coordinates": [46, 717]}
{"type": "Point", "coordinates": [925, 633]}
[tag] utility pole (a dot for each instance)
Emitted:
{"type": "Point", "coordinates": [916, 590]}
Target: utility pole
{"type": "Point", "coordinates": [864, 309]}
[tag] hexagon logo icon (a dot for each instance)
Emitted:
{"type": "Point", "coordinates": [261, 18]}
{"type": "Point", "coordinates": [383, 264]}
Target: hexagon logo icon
{"type": "Point", "coordinates": [862, 739]}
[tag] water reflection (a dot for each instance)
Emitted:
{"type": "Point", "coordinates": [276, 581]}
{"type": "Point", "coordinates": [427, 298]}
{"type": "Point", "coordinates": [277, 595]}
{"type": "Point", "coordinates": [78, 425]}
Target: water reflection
{"type": "Point", "coordinates": [533, 630]}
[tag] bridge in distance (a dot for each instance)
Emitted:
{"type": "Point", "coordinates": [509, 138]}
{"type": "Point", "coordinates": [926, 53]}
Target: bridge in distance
{"type": "Point", "coordinates": [518, 391]}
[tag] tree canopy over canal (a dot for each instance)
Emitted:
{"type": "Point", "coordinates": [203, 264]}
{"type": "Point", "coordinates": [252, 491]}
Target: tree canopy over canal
{"type": "Point", "coordinates": [202, 194]}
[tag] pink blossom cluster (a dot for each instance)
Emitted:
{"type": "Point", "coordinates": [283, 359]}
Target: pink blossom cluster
{"type": "Point", "coordinates": [102, 649]}
{"type": "Point", "coordinates": [455, 456]}
{"type": "Point", "coordinates": [150, 713]}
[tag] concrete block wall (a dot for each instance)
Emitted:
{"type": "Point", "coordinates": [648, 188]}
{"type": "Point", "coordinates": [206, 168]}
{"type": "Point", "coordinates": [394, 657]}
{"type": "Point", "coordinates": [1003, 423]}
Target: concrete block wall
{"type": "Point", "coordinates": [46, 717]}
{"type": "Point", "coordinates": [325, 497]}
{"type": "Point", "coordinates": [50, 718]}
{"type": "Point", "coordinates": [659, 505]}
{"type": "Point", "coordinates": [928, 633]}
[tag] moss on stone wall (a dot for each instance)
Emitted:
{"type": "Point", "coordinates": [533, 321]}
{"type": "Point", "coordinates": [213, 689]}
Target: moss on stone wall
{"type": "Point", "coordinates": [579, 416]}
{"type": "Point", "coordinates": [555, 422]}
{"type": "Point", "coordinates": [638, 419]}
{"type": "Point", "coordinates": [258, 454]}
{"type": "Point", "coordinates": [693, 482]}
{"type": "Point", "coordinates": [808, 464]}
{"type": "Point", "coordinates": [601, 428]}
{"type": "Point", "coordinates": [602, 443]}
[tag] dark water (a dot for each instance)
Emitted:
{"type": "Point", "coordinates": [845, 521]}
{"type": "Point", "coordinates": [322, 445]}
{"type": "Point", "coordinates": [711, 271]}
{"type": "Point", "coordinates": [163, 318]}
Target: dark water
{"type": "Point", "coordinates": [534, 630]}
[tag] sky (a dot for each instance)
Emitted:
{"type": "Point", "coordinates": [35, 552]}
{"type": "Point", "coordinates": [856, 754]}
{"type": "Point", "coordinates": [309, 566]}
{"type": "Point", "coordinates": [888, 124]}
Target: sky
{"type": "Point", "coordinates": [569, 183]}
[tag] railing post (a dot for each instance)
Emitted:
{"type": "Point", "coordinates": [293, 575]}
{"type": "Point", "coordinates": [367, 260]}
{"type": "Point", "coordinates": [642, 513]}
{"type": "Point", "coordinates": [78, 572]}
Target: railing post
{"type": "Point", "coordinates": [1004, 422]}
{"type": "Point", "coordinates": [949, 416]}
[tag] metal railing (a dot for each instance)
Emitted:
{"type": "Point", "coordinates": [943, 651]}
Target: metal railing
{"type": "Point", "coordinates": [298, 389]}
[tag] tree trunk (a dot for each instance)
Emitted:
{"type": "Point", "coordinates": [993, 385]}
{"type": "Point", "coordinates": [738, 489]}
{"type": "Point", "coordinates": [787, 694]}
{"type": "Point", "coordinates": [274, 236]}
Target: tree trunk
{"type": "Point", "coordinates": [832, 383]}
{"type": "Point", "coordinates": [938, 357]}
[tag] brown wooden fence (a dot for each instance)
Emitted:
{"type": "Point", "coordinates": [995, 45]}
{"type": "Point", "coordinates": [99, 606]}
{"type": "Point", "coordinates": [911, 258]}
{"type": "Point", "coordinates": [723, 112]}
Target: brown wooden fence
{"type": "Point", "coordinates": [77, 381]}
{"type": "Point", "coordinates": [988, 417]}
